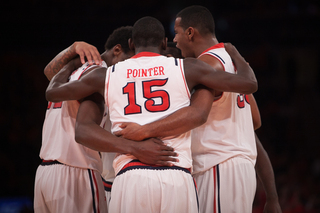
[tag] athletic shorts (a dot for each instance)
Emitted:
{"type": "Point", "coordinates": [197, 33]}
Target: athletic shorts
{"type": "Point", "coordinates": [61, 188]}
{"type": "Point", "coordinates": [141, 188]}
{"type": "Point", "coordinates": [228, 187]}
{"type": "Point", "coordinates": [107, 189]}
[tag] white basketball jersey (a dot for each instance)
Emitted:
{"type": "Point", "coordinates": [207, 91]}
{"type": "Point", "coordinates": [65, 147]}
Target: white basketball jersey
{"type": "Point", "coordinates": [58, 134]}
{"type": "Point", "coordinates": [228, 131]}
{"type": "Point", "coordinates": [107, 157]}
{"type": "Point", "coordinates": [146, 88]}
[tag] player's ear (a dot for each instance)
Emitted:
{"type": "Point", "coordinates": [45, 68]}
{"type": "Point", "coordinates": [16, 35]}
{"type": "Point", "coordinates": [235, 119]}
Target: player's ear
{"type": "Point", "coordinates": [117, 50]}
{"type": "Point", "coordinates": [190, 32]}
{"type": "Point", "coordinates": [131, 45]}
{"type": "Point", "coordinates": [164, 43]}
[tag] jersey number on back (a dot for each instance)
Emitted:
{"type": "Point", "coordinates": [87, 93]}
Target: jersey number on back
{"type": "Point", "coordinates": [241, 99]}
{"type": "Point", "coordinates": [55, 105]}
{"type": "Point", "coordinates": [149, 94]}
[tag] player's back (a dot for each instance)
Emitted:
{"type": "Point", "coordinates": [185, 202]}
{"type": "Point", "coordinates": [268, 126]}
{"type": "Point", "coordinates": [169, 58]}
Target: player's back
{"type": "Point", "coordinates": [146, 88]}
{"type": "Point", "coordinates": [58, 137]}
{"type": "Point", "coordinates": [228, 131]}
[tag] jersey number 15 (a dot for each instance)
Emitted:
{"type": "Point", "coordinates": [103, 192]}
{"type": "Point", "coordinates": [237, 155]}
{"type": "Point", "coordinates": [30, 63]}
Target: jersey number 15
{"type": "Point", "coordinates": [149, 94]}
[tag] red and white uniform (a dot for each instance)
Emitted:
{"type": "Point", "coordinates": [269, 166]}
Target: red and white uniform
{"type": "Point", "coordinates": [107, 158]}
{"type": "Point", "coordinates": [224, 150]}
{"type": "Point", "coordinates": [143, 89]}
{"type": "Point", "coordinates": [68, 180]}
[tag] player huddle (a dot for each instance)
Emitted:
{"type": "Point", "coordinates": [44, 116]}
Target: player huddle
{"type": "Point", "coordinates": [140, 131]}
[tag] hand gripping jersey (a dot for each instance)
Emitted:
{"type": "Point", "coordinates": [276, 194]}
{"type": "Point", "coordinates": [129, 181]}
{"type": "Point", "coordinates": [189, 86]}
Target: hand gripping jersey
{"type": "Point", "coordinates": [146, 88]}
{"type": "Point", "coordinates": [228, 131]}
{"type": "Point", "coordinates": [58, 141]}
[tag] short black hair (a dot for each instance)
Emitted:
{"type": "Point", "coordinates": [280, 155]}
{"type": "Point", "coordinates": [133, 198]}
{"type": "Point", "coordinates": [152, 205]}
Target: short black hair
{"type": "Point", "coordinates": [198, 17]}
{"type": "Point", "coordinates": [173, 50]}
{"type": "Point", "coordinates": [120, 36]}
{"type": "Point", "coordinates": [148, 31]}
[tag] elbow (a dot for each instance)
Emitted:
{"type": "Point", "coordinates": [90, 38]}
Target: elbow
{"type": "Point", "coordinates": [201, 119]}
{"type": "Point", "coordinates": [78, 136]}
{"type": "Point", "coordinates": [252, 87]}
{"type": "Point", "coordinates": [46, 73]}
{"type": "Point", "coordinates": [257, 125]}
{"type": "Point", "coordinates": [50, 96]}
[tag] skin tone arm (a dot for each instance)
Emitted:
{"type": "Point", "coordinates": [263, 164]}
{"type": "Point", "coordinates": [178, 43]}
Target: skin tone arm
{"type": "Point", "coordinates": [196, 72]}
{"type": "Point", "coordinates": [172, 124]}
{"type": "Point", "coordinates": [89, 133]}
{"type": "Point", "coordinates": [256, 118]}
{"type": "Point", "coordinates": [82, 49]}
{"type": "Point", "coordinates": [177, 123]}
{"type": "Point", "coordinates": [90, 113]}
{"type": "Point", "coordinates": [243, 82]}
{"type": "Point", "coordinates": [263, 165]}
{"type": "Point", "coordinates": [265, 173]}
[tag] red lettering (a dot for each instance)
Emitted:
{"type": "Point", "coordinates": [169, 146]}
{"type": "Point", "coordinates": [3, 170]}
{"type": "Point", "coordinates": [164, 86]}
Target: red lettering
{"type": "Point", "coordinates": [144, 73]}
{"type": "Point", "coordinates": [55, 105]}
{"type": "Point", "coordinates": [150, 70]}
{"type": "Point", "coordinates": [161, 69]}
{"type": "Point", "coordinates": [49, 105]}
{"type": "Point", "coordinates": [155, 70]}
{"type": "Point", "coordinates": [129, 71]}
{"type": "Point", "coordinates": [135, 73]}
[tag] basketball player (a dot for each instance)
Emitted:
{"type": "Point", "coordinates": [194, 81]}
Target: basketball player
{"type": "Point", "coordinates": [171, 126]}
{"type": "Point", "coordinates": [145, 88]}
{"type": "Point", "coordinates": [172, 50]}
{"type": "Point", "coordinates": [224, 149]}
{"type": "Point", "coordinates": [68, 179]}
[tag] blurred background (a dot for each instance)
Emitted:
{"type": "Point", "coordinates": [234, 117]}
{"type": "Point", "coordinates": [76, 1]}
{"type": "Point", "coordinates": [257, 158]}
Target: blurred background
{"type": "Point", "coordinates": [280, 40]}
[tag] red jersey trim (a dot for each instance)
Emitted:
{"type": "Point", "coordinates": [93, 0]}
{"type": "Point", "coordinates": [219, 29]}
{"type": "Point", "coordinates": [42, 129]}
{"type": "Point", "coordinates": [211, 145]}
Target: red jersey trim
{"type": "Point", "coordinates": [184, 78]}
{"type": "Point", "coordinates": [220, 45]}
{"type": "Point", "coordinates": [145, 54]}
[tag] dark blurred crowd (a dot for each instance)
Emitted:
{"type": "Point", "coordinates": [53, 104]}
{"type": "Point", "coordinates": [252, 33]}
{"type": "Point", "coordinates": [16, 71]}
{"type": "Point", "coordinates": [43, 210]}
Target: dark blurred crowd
{"type": "Point", "coordinates": [280, 40]}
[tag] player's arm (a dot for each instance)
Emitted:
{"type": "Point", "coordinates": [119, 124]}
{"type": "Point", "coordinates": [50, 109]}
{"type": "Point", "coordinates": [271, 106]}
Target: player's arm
{"type": "Point", "coordinates": [256, 118]}
{"type": "Point", "coordinates": [59, 89]}
{"type": "Point", "coordinates": [199, 72]}
{"type": "Point", "coordinates": [265, 173]}
{"type": "Point", "coordinates": [177, 123]}
{"type": "Point", "coordinates": [83, 49]}
{"type": "Point", "coordinates": [89, 133]}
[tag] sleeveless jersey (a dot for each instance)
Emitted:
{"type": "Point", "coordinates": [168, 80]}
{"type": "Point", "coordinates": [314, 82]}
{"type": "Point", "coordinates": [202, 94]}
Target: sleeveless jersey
{"type": "Point", "coordinates": [229, 130]}
{"type": "Point", "coordinates": [107, 157]}
{"type": "Point", "coordinates": [58, 134]}
{"type": "Point", "coordinates": [146, 88]}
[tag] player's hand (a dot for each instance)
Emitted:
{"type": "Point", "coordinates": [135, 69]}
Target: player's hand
{"type": "Point", "coordinates": [272, 207]}
{"type": "Point", "coordinates": [131, 131]}
{"type": "Point", "coordinates": [154, 151]}
{"type": "Point", "coordinates": [85, 50]}
{"type": "Point", "coordinates": [232, 51]}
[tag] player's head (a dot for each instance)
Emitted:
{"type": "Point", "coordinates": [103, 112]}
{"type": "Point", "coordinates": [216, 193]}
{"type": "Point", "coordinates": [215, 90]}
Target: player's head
{"type": "Point", "coordinates": [117, 46]}
{"type": "Point", "coordinates": [172, 50]}
{"type": "Point", "coordinates": [191, 20]}
{"type": "Point", "coordinates": [148, 32]}
{"type": "Point", "coordinates": [199, 17]}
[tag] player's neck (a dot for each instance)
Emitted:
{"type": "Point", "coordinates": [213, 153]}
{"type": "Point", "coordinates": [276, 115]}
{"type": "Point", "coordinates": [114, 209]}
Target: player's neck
{"type": "Point", "coordinates": [147, 49]}
{"type": "Point", "coordinates": [204, 44]}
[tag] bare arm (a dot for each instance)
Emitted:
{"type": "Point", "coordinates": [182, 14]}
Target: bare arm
{"type": "Point", "coordinates": [265, 173]}
{"type": "Point", "coordinates": [82, 49]}
{"type": "Point", "coordinates": [263, 166]}
{"type": "Point", "coordinates": [90, 134]}
{"type": "Point", "coordinates": [198, 72]}
{"type": "Point", "coordinates": [256, 118]}
{"type": "Point", "coordinates": [177, 123]}
{"type": "Point", "coordinates": [59, 89]}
